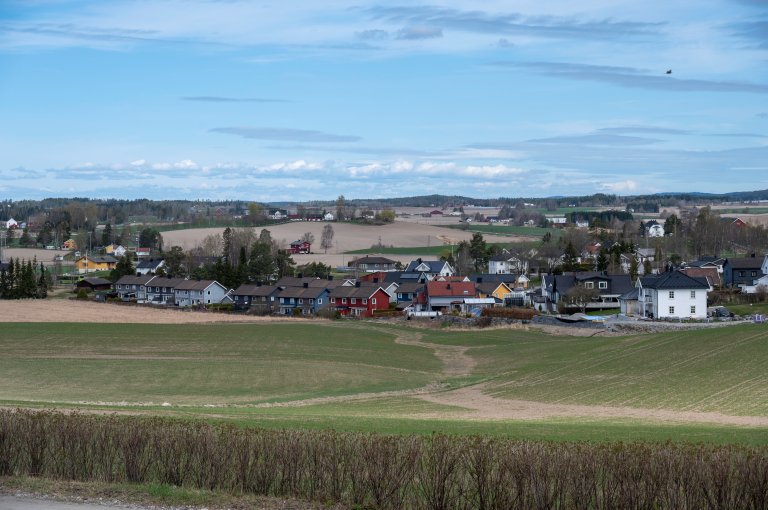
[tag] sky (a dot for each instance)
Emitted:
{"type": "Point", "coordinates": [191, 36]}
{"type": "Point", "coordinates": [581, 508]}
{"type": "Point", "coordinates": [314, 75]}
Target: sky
{"type": "Point", "coordinates": [307, 100]}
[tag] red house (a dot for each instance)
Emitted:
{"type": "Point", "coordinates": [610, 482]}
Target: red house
{"type": "Point", "coordinates": [300, 247]}
{"type": "Point", "coordinates": [360, 300]}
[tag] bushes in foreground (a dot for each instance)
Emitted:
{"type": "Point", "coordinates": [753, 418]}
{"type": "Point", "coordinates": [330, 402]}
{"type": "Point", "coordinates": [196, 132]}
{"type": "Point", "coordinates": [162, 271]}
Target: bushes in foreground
{"type": "Point", "coordinates": [375, 471]}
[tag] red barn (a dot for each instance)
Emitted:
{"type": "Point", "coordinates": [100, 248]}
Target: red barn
{"type": "Point", "coordinates": [360, 300]}
{"type": "Point", "coordinates": [300, 247]}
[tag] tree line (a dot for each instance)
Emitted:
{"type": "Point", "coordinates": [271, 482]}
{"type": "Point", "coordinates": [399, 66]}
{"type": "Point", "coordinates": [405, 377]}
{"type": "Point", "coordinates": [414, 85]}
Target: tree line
{"type": "Point", "coordinates": [24, 279]}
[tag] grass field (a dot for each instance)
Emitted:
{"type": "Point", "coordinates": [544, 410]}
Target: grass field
{"type": "Point", "coordinates": [508, 230]}
{"type": "Point", "coordinates": [352, 376]}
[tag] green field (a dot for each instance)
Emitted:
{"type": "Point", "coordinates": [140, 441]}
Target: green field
{"type": "Point", "coordinates": [506, 230]}
{"type": "Point", "coordinates": [229, 371]}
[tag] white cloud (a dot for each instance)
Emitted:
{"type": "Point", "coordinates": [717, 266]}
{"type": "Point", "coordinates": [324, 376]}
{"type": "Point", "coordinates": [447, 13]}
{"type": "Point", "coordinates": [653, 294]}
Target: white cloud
{"type": "Point", "coordinates": [139, 162]}
{"type": "Point", "coordinates": [620, 186]}
{"type": "Point", "coordinates": [186, 164]}
{"type": "Point", "coordinates": [489, 172]}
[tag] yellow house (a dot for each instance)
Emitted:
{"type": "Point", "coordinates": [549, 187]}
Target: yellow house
{"type": "Point", "coordinates": [498, 290]}
{"type": "Point", "coordinates": [70, 244]}
{"type": "Point", "coordinates": [95, 263]}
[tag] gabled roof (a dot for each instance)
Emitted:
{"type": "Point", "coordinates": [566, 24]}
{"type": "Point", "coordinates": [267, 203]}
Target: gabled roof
{"type": "Point", "coordinates": [363, 292]}
{"type": "Point", "coordinates": [450, 289]}
{"type": "Point", "coordinates": [745, 263]}
{"type": "Point", "coordinates": [135, 280]}
{"type": "Point", "coordinates": [302, 292]}
{"type": "Point", "coordinates": [150, 264]}
{"type": "Point", "coordinates": [617, 283]}
{"type": "Point", "coordinates": [166, 281]}
{"type": "Point", "coordinates": [673, 280]}
{"type": "Point", "coordinates": [256, 290]}
{"type": "Point", "coordinates": [427, 266]}
{"type": "Point", "coordinates": [490, 287]}
{"type": "Point", "coordinates": [197, 284]}
{"type": "Point", "coordinates": [493, 277]}
{"type": "Point", "coordinates": [100, 259]}
{"type": "Point", "coordinates": [708, 272]}
{"type": "Point", "coordinates": [372, 259]}
{"type": "Point", "coordinates": [95, 280]}
{"type": "Point", "coordinates": [411, 287]}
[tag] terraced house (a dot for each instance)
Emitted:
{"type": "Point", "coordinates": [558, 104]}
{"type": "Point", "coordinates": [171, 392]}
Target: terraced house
{"type": "Point", "coordinates": [200, 292]}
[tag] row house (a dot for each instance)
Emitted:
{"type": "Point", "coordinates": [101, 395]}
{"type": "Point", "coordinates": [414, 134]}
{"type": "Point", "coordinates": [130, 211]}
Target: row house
{"type": "Point", "coordinates": [359, 300]}
{"type": "Point", "coordinates": [200, 293]}
{"type": "Point", "coordinates": [304, 300]}
{"type": "Point", "coordinates": [133, 287]}
{"type": "Point", "coordinates": [261, 299]}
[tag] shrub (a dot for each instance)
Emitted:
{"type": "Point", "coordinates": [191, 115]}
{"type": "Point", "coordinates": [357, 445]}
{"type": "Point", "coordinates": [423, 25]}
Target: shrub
{"type": "Point", "coordinates": [82, 293]}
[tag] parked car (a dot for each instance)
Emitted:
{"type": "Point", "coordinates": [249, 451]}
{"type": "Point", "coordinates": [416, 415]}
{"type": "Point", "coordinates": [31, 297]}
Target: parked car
{"type": "Point", "coordinates": [719, 311]}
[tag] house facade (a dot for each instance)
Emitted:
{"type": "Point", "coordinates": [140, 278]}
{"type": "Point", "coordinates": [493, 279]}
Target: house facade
{"type": "Point", "coordinates": [590, 290]}
{"type": "Point", "coordinates": [373, 264]}
{"type": "Point", "coordinates": [260, 299]}
{"type": "Point", "coordinates": [116, 250]}
{"type": "Point", "coordinates": [431, 268]}
{"type": "Point", "coordinates": [359, 301]}
{"type": "Point", "coordinates": [132, 287]}
{"type": "Point", "coordinates": [200, 293]}
{"type": "Point", "coordinates": [448, 296]}
{"type": "Point", "coordinates": [742, 271]}
{"type": "Point", "coordinates": [95, 263]}
{"type": "Point", "coordinates": [160, 290]}
{"type": "Point", "coordinates": [304, 300]}
{"type": "Point", "coordinates": [298, 247]}
{"type": "Point", "coordinates": [673, 295]}
{"type": "Point", "coordinates": [150, 266]}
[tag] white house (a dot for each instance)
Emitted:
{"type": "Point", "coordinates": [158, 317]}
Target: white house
{"type": "Point", "coordinates": [11, 223]}
{"type": "Point", "coordinates": [116, 250]}
{"type": "Point", "coordinates": [432, 268]}
{"type": "Point", "coordinates": [329, 217]}
{"type": "Point", "coordinates": [673, 295]}
{"type": "Point", "coordinates": [653, 229]}
{"type": "Point", "coordinates": [200, 292]}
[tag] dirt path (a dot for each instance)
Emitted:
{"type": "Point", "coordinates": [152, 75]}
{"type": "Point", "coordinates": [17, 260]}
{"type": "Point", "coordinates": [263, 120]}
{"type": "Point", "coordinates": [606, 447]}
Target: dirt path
{"type": "Point", "coordinates": [455, 360]}
{"type": "Point", "coordinates": [486, 407]}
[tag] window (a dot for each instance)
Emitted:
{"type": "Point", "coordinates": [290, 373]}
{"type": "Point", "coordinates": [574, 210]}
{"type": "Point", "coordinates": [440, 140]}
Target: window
{"type": "Point", "coordinates": [589, 285]}
{"type": "Point", "coordinates": [693, 310]}
{"type": "Point", "coordinates": [365, 301]}
{"type": "Point", "coordinates": [343, 301]}
{"type": "Point", "coordinates": [333, 300]}
{"type": "Point", "coordinates": [754, 273]}
{"type": "Point", "coordinates": [602, 285]}
{"type": "Point", "coordinates": [353, 301]}
{"type": "Point", "coordinates": [671, 294]}
{"type": "Point", "coordinates": [301, 301]}
{"type": "Point", "coordinates": [671, 310]}
{"type": "Point", "coordinates": [741, 273]}
{"type": "Point", "coordinates": [693, 294]}
{"type": "Point", "coordinates": [319, 301]}
{"type": "Point", "coordinates": [373, 301]}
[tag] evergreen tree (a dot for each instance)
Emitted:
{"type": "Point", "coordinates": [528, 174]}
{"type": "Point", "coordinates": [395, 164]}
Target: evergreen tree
{"type": "Point", "coordinates": [602, 261]}
{"type": "Point", "coordinates": [570, 258]}
{"type": "Point", "coordinates": [106, 235]}
{"type": "Point", "coordinates": [633, 268]}
{"type": "Point", "coordinates": [42, 283]}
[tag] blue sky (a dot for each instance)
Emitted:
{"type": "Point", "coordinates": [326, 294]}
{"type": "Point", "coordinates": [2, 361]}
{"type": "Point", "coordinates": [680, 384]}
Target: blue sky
{"type": "Point", "coordinates": [252, 100]}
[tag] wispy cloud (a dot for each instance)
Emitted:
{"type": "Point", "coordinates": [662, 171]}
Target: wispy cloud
{"type": "Point", "coordinates": [513, 24]}
{"type": "Point", "coordinates": [739, 135]}
{"type": "Point", "coordinates": [285, 135]}
{"type": "Point", "coordinates": [372, 35]}
{"type": "Point", "coordinates": [222, 99]}
{"type": "Point", "coordinates": [754, 31]}
{"type": "Point", "coordinates": [632, 77]}
{"type": "Point", "coordinates": [644, 130]}
{"type": "Point", "coordinates": [597, 139]}
{"type": "Point", "coordinates": [415, 33]}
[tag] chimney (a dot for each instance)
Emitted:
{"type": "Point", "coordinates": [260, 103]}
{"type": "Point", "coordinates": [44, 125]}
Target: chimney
{"type": "Point", "coordinates": [306, 285]}
{"type": "Point", "coordinates": [357, 284]}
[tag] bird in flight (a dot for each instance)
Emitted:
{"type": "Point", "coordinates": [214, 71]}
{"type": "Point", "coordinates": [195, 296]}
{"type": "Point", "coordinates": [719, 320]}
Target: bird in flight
{"type": "Point", "coordinates": [669, 71]}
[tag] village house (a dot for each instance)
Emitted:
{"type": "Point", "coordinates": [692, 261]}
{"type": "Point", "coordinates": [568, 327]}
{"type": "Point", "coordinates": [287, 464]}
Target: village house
{"type": "Point", "coordinates": [150, 266]}
{"type": "Point", "coordinates": [200, 293]}
{"type": "Point", "coordinates": [590, 290]}
{"type": "Point", "coordinates": [673, 294]}
{"type": "Point", "coordinates": [372, 263]}
{"type": "Point", "coordinates": [448, 296]}
{"type": "Point", "coordinates": [742, 271]}
{"type": "Point", "coordinates": [89, 264]}
{"type": "Point", "coordinates": [132, 287]}
{"type": "Point", "coordinates": [359, 300]}
{"type": "Point", "coordinates": [431, 268]}
{"type": "Point", "coordinates": [299, 246]}
{"type": "Point", "coordinates": [257, 298]}
{"type": "Point", "coordinates": [304, 300]}
{"type": "Point", "coordinates": [116, 250]}
{"type": "Point", "coordinates": [94, 284]}
{"type": "Point", "coordinates": [160, 290]}
{"type": "Point", "coordinates": [654, 229]}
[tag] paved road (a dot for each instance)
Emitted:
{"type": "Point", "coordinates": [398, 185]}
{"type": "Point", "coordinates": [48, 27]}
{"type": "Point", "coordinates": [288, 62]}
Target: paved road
{"type": "Point", "coordinates": [21, 503]}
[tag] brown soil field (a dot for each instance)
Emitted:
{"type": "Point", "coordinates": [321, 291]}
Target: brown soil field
{"type": "Point", "coordinates": [348, 236]}
{"type": "Point", "coordinates": [69, 310]}
{"type": "Point", "coordinates": [45, 256]}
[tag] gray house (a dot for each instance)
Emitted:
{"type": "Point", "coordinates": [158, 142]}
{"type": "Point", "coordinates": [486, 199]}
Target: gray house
{"type": "Point", "coordinates": [160, 290]}
{"type": "Point", "coordinates": [133, 287]}
{"type": "Point", "coordinates": [257, 298]}
{"type": "Point", "coordinates": [200, 292]}
{"type": "Point", "coordinates": [742, 271]}
{"type": "Point", "coordinates": [306, 299]}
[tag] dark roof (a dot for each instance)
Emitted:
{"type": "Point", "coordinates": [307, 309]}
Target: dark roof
{"type": "Point", "coordinates": [672, 280]}
{"type": "Point", "coordinates": [94, 281]}
{"type": "Point", "coordinates": [632, 295]}
{"type": "Point", "coordinates": [149, 264]}
{"type": "Point", "coordinates": [488, 287]}
{"type": "Point", "coordinates": [364, 291]}
{"type": "Point", "coordinates": [166, 281]}
{"type": "Point", "coordinates": [135, 280]}
{"type": "Point", "coordinates": [302, 292]}
{"type": "Point", "coordinates": [410, 288]}
{"type": "Point", "coordinates": [493, 277]}
{"type": "Point", "coordinates": [435, 266]}
{"type": "Point", "coordinates": [249, 289]}
{"type": "Point", "coordinates": [745, 263]}
{"type": "Point", "coordinates": [106, 259]}
{"type": "Point", "coordinates": [372, 260]}
{"type": "Point", "coordinates": [617, 283]}
{"type": "Point", "coordinates": [196, 284]}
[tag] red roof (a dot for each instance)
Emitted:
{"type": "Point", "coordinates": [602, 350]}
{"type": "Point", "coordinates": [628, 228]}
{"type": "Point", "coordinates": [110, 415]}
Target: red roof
{"type": "Point", "coordinates": [463, 289]}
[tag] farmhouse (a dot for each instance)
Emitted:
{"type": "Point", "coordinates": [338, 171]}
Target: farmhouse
{"type": "Point", "coordinates": [95, 263]}
{"type": "Point", "coordinates": [300, 247]}
{"type": "Point", "coordinates": [673, 295]}
{"type": "Point", "coordinates": [372, 263]}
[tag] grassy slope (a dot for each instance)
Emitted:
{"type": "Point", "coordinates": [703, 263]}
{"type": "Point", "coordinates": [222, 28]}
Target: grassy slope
{"type": "Point", "coordinates": [202, 363]}
{"type": "Point", "coordinates": [719, 369]}
{"type": "Point", "coordinates": [715, 370]}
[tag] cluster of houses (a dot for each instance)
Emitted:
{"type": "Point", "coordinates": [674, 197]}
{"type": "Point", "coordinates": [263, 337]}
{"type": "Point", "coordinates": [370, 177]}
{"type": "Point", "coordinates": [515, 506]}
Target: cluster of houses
{"type": "Point", "coordinates": [434, 286]}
